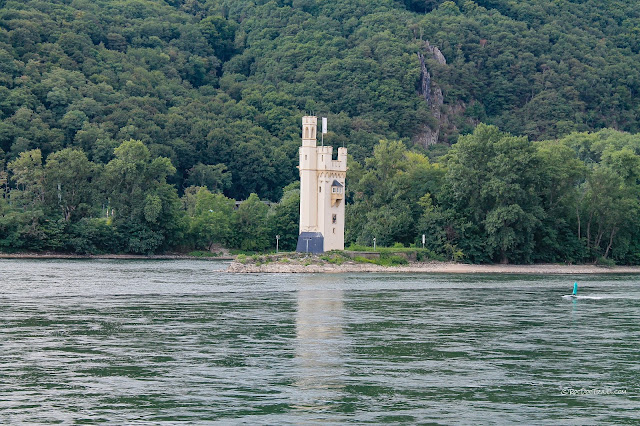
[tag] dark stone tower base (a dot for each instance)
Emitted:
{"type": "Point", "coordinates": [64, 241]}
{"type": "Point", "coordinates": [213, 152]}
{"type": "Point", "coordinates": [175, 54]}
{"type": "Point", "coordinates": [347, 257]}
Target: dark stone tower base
{"type": "Point", "coordinates": [315, 240]}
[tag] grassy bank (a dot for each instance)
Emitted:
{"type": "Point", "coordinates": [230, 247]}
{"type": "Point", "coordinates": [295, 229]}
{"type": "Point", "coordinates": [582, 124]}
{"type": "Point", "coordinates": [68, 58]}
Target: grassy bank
{"type": "Point", "coordinates": [387, 256]}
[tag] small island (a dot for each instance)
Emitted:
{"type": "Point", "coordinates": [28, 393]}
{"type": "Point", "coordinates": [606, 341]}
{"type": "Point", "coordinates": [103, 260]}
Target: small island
{"type": "Point", "coordinates": [401, 262]}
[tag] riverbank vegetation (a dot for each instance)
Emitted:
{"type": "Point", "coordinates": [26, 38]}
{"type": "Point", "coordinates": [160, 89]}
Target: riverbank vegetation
{"type": "Point", "coordinates": [384, 257]}
{"type": "Point", "coordinates": [132, 126]}
{"type": "Point", "coordinates": [493, 197]}
{"type": "Point", "coordinates": [496, 197]}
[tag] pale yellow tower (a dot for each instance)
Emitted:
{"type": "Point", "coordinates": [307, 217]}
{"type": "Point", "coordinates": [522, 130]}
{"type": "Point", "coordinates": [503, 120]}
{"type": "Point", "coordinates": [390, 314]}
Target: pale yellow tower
{"type": "Point", "coordinates": [322, 192]}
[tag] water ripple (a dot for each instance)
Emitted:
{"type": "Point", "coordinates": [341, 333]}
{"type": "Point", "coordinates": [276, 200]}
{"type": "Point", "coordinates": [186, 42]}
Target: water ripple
{"type": "Point", "coordinates": [182, 341]}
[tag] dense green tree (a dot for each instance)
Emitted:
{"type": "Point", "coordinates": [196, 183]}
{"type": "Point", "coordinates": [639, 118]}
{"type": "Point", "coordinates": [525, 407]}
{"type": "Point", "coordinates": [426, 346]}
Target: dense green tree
{"type": "Point", "coordinates": [215, 177]}
{"type": "Point", "coordinates": [93, 236]}
{"type": "Point", "coordinates": [561, 173]}
{"type": "Point", "coordinates": [220, 34]}
{"type": "Point", "coordinates": [284, 218]}
{"type": "Point", "coordinates": [492, 182]}
{"type": "Point", "coordinates": [250, 225]}
{"type": "Point", "coordinates": [211, 220]}
{"type": "Point", "coordinates": [28, 174]}
{"type": "Point", "coordinates": [605, 199]}
{"type": "Point", "coordinates": [68, 176]}
{"type": "Point", "coordinates": [147, 209]}
{"type": "Point", "coordinates": [386, 194]}
{"type": "Point", "coordinates": [608, 207]}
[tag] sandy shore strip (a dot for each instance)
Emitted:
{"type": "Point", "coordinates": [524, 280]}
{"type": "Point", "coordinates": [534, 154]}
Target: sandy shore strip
{"type": "Point", "coordinates": [297, 266]}
{"type": "Point", "coordinates": [430, 267]}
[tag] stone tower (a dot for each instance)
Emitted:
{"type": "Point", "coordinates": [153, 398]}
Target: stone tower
{"type": "Point", "coordinates": [322, 191]}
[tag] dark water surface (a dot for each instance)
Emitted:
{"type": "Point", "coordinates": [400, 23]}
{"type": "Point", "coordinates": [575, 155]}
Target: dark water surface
{"type": "Point", "coordinates": [155, 341]}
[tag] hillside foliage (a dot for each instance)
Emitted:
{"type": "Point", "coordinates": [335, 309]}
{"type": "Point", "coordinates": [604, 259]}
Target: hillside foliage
{"type": "Point", "coordinates": [121, 120]}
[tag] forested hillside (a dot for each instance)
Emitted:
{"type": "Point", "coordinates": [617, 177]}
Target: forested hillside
{"type": "Point", "coordinates": [225, 82]}
{"type": "Point", "coordinates": [209, 93]}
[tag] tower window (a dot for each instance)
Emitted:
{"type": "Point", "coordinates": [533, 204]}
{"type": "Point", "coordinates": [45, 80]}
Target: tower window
{"type": "Point", "coordinates": [305, 156]}
{"type": "Point", "coordinates": [319, 189]}
{"type": "Point", "coordinates": [334, 218]}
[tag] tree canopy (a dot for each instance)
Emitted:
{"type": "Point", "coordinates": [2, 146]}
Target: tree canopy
{"type": "Point", "coordinates": [221, 83]}
{"type": "Point", "coordinates": [112, 113]}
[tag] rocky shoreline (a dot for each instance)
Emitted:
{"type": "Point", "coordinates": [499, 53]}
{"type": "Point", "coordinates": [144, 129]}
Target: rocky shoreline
{"type": "Point", "coordinates": [428, 267]}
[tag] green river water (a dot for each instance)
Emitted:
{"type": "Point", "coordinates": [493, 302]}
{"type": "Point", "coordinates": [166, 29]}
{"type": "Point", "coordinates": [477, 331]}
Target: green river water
{"type": "Point", "coordinates": [183, 341]}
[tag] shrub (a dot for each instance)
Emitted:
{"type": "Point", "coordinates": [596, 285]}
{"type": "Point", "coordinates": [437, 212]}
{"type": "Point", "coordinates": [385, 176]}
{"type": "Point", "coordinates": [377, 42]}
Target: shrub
{"type": "Point", "coordinates": [603, 261]}
{"type": "Point", "coordinates": [361, 259]}
{"type": "Point", "coordinates": [397, 260]}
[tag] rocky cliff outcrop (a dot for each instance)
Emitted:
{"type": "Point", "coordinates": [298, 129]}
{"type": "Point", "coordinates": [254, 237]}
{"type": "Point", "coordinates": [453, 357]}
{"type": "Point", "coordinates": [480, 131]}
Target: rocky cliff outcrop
{"type": "Point", "coordinates": [444, 115]}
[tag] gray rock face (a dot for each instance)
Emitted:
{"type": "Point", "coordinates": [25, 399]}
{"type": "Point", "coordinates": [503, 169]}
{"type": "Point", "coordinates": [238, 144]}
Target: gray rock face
{"type": "Point", "coordinates": [427, 136]}
{"type": "Point", "coordinates": [431, 134]}
{"type": "Point", "coordinates": [435, 53]}
{"type": "Point", "coordinates": [432, 94]}
{"type": "Point", "coordinates": [425, 79]}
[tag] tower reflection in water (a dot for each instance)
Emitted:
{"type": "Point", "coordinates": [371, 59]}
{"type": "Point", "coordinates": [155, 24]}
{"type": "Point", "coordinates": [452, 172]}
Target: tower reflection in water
{"type": "Point", "coordinates": [320, 343]}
